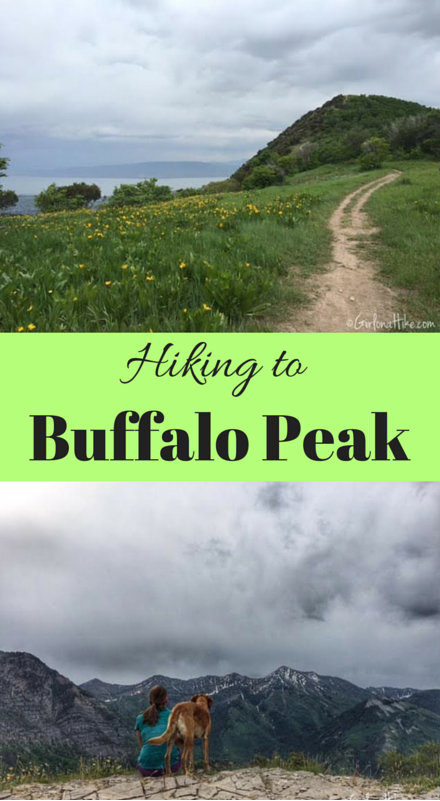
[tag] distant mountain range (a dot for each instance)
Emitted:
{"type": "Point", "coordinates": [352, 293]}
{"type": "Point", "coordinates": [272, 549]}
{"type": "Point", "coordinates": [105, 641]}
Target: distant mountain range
{"type": "Point", "coordinates": [286, 711]}
{"type": "Point", "coordinates": [144, 169]}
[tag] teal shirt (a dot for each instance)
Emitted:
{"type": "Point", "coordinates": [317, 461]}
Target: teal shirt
{"type": "Point", "coordinates": [152, 757]}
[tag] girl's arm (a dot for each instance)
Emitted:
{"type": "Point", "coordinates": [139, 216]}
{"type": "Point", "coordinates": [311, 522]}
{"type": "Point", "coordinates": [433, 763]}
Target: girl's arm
{"type": "Point", "coordinates": [139, 739]}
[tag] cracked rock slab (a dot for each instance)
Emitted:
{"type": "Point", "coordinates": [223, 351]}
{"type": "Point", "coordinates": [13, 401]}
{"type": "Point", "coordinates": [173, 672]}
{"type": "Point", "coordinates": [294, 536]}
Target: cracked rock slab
{"type": "Point", "coordinates": [248, 783]}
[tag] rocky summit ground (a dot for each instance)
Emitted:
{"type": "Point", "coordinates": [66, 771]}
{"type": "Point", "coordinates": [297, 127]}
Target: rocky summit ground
{"type": "Point", "coordinates": [249, 783]}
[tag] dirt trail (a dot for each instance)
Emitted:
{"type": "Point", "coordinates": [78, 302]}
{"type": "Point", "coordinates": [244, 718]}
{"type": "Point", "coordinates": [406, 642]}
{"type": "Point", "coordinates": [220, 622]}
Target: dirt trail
{"type": "Point", "coordinates": [349, 297]}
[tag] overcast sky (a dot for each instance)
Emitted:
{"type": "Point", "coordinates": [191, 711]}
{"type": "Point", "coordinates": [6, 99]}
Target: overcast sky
{"type": "Point", "coordinates": [111, 81]}
{"type": "Point", "coordinates": [121, 581]}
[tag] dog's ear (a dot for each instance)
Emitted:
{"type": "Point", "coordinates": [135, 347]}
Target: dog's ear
{"type": "Point", "coordinates": [194, 698]}
{"type": "Point", "coordinates": [210, 701]}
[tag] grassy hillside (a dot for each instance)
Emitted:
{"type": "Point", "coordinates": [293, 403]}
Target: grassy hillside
{"type": "Point", "coordinates": [236, 260]}
{"type": "Point", "coordinates": [214, 263]}
{"type": "Point", "coordinates": [193, 264]}
{"type": "Point", "coordinates": [336, 132]}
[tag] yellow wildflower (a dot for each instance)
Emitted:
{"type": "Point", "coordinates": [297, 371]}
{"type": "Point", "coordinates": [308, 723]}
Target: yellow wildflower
{"type": "Point", "coordinates": [108, 283]}
{"type": "Point", "coordinates": [81, 266]}
{"type": "Point", "coordinates": [31, 327]}
{"type": "Point", "coordinates": [182, 265]}
{"type": "Point", "coordinates": [149, 277]}
{"type": "Point", "coordinates": [20, 329]}
{"type": "Point", "coordinates": [124, 267]}
{"type": "Point", "coordinates": [30, 308]}
{"type": "Point", "coordinates": [206, 307]}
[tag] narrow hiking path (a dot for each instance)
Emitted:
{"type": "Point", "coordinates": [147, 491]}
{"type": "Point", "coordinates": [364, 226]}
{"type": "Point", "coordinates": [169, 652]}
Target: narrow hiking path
{"type": "Point", "coordinates": [349, 296]}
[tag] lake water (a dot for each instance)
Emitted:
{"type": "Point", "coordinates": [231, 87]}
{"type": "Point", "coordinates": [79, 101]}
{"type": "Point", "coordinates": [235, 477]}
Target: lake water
{"type": "Point", "coordinates": [27, 186]}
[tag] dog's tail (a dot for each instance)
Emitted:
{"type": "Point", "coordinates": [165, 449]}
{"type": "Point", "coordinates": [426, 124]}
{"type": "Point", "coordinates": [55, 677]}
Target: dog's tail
{"type": "Point", "coordinates": [169, 731]}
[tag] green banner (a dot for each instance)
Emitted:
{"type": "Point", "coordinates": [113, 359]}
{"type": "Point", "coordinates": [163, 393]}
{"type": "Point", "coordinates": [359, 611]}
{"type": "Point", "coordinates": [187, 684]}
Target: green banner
{"type": "Point", "coordinates": [219, 407]}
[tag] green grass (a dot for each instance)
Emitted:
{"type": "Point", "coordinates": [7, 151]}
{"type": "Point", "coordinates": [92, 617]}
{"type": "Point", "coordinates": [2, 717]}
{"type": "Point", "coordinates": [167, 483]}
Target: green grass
{"type": "Point", "coordinates": [231, 262]}
{"type": "Point", "coordinates": [408, 244]}
{"type": "Point", "coordinates": [417, 772]}
{"type": "Point", "coordinates": [28, 772]}
{"type": "Point", "coordinates": [295, 761]}
{"type": "Point", "coordinates": [193, 264]}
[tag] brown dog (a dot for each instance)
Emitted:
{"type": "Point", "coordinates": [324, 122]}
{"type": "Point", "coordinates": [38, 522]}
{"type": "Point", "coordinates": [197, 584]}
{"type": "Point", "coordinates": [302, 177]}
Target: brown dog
{"type": "Point", "coordinates": [187, 721]}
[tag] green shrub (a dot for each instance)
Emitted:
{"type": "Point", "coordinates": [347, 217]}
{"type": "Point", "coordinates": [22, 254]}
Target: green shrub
{"type": "Point", "coordinates": [265, 156]}
{"type": "Point", "coordinates": [416, 135]}
{"type": "Point", "coordinates": [139, 194]}
{"type": "Point", "coordinates": [375, 151]}
{"type": "Point", "coordinates": [188, 191]}
{"type": "Point", "coordinates": [431, 147]}
{"type": "Point", "coordinates": [216, 187]}
{"type": "Point", "coordinates": [82, 192]}
{"type": "Point", "coordinates": [295, 761]}
{"type": "Point", "coordinates": [8, 198]}
{"type": "Point", "coordinates": [67, 198]}
{"type": "Point", "coordinates": [307, 156]}
{"type": "Point", "coordinates": [424, 763]}
{"type": "Point", "coordinates": [289, 163]}
{"type": "Point", "coordinates": [263, 175]}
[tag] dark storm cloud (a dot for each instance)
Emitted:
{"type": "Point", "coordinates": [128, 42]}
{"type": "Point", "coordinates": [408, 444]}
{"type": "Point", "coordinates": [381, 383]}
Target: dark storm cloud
{"type": "Point", "coordinates": [338, 563]}
{"type": "Point", "coordinates": [125, 581]}
{"type": "Point", "coordinates": [186, 78]}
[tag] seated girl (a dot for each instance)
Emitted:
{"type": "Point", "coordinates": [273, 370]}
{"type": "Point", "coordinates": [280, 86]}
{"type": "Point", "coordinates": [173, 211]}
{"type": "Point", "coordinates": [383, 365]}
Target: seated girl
{"type": "Point", "coordinates": [152, 723]}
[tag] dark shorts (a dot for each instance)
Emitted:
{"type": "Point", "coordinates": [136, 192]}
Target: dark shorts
{"type": "Point", "coordinates": [158, 771]}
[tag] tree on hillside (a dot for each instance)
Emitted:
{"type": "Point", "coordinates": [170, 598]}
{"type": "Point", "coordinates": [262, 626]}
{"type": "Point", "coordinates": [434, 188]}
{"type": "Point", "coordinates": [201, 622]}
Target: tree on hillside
{"type": "Point", "coordinates": [416, 135]}
{"type": "Point", "coordinates": [288, 163]}
{"type": "Point", "coordinates": [139, 194]}
{"type": "Point", "coordinates": [263, 175]}
{"type": "Point", "coordinates": [431, 141]}
{"type": "Point", "coordinates": [67, 198]}
{"type": "Point", "coordinates": [7, 198]}
{"type": "Point", "coordinates": [307, 155]}
{"type": "Point", "coordinates": [374, 153]}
